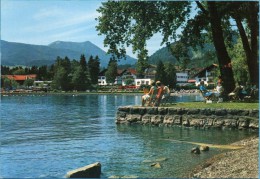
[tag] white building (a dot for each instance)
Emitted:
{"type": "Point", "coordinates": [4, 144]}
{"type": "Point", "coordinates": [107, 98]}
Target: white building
{"type": "Point", "coordinates": [182, 77]}
{"type": "Point", "coordinates": [207, 75]}
{"type": "Point", "coordinates": [139, 82]}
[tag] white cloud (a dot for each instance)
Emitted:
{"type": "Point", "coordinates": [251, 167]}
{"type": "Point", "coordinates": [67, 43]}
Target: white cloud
{"type": "Point", "coordinates": [74, 32]}
{"type": "Point", "coordinates": [49, 12]}
{"type": "Point", "coordinates": [60, 22]}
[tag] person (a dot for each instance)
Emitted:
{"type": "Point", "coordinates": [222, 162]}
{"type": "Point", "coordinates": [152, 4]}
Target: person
{"type": "Point", "coordinates": [220, 81]}
{"type": "Point", "coordinates": [166, 93]}
{"type": "Point", "coordinates": [237, 92]}
{"type": "Point", "coordinates": [150, 96]}
{"type": "Point", "coordinates": [206, 94]}
{"type": "Point", "coordinates": [219, 92]}
{"type": "Point", "coordinates": [160, 93]}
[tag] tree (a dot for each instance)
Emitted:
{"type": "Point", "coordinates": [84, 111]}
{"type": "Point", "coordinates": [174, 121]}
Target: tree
{"type": "Point", "coordinates": [42, 73]}
{"type": "Point", "coordinates": [131, 22]}
{"type": "Point", "coordinates": [59, 80]}
{"type": "Point", "coordinates": [79, 79]}
{"type": "Point", "coordinates": [134, 22]}
{"type": "Point", "coordinates": [170, 78]}
{"type": "Point", "coordinates": [5, 70]}
{"type": "Point", "coordinates": [28, 82]}
{"type": "Point", "coordinates": [93, 65]}
{"type": "Point", "coordinates": [239, 63]}
{"type": "Point", "coordinates": [160, 73]}
{"type": "Point", "coordinates": [111, 72]}
{"type": "Point", "coordinates": [247, 13]}
{"type": "Point", "coordinates": [19, 71]}
{"type": "Point", "coordinates": [83, 62]}
{"type": "Point", "coordinates": [62, 74]}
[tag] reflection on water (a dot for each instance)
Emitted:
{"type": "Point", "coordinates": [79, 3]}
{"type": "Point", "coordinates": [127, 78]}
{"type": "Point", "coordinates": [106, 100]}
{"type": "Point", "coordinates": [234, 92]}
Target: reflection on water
{"type": "Point", "coordinates": [46, 136]}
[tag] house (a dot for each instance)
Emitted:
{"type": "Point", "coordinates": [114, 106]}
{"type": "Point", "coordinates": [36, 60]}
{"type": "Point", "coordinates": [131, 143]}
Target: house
{"type": "Point", "coordinates": [42, 84]}
{"type": "Point", "coordinates": [150, 72]}
{"type": "Point", "coordinates": [102, 78]}
{"type": "Point", "coordinates": [128, 74]}
{"type": "Point", "coordinates": [118, 80]}
{"type": "Point", "coordinates": [182, 76]}
{"type": "Point", "coordinates": [20, 78]}
{"type": "Point", "coordinates": [145, 81]}
{"type": "Point", "coordinates": [207, 75]}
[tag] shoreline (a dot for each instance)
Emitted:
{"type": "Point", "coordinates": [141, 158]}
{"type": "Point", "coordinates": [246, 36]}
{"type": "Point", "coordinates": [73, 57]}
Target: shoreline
{"type": "Point", "coordinates": [87, 93]}
{"type": "Point", "coordinates": [241, 163]}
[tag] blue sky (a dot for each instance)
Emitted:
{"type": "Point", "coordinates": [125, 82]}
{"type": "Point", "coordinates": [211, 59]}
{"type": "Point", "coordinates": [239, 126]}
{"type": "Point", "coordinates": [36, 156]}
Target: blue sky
{"type": "Point", "coordinates": [42, 22]}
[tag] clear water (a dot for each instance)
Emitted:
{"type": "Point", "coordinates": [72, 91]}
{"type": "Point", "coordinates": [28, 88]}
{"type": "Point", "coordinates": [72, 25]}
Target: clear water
{"type": "Point", "coordinates": [47, 136]}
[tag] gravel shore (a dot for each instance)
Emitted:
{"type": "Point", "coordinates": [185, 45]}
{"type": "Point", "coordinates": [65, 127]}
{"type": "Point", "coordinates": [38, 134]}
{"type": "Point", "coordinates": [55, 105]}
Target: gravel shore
{"type": "Point", "coordinates": [241, 163]}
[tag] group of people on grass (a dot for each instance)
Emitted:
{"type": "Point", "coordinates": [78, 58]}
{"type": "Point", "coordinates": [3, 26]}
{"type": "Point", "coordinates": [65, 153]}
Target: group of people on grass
{"type": "Point", "coordinates": [239, 93]}
{"type": "Point", "coordinates": [217, 93]}
{"type": "Point", "coordinates": [156, 94]}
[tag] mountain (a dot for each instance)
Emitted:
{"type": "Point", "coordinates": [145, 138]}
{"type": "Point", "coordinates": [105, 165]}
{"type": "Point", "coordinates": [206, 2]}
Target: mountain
{"type": "Point", "coordinates": [162, 54]}
{"type": "Point", "coordinates": [198, 58]}
{"type": "Point", "coordinates": [29, 55]}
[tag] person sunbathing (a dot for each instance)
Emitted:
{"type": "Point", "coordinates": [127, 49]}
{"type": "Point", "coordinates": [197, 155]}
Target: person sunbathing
{"type": "Point", "coordinates": [150, 96]}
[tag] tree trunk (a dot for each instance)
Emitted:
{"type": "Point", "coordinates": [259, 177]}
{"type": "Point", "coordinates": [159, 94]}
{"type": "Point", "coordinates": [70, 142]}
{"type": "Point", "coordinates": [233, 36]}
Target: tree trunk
{"type": "Point", "coordinates": [251, 61]}
{"type": "Point", "coordinates": [254, 27]}
{"type": "Point", "coordinates": [222, 55]}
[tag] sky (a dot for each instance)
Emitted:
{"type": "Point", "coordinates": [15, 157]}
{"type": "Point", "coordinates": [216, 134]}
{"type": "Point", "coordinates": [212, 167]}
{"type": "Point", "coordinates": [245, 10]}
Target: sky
{"type": "Point", "coordinates": [41, 22]}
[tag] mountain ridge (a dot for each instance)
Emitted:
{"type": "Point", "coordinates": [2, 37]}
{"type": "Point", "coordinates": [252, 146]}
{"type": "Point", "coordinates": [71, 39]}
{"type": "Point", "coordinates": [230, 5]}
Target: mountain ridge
{"type": "Point", "coordinates": [17, 53]}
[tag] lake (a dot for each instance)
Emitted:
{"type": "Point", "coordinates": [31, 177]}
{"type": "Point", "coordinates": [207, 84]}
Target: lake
{"type": "Point", "coordinates": [49, 135]}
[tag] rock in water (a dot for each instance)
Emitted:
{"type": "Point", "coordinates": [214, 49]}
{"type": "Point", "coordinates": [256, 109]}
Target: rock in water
{"type": "Point", "coordinates": [204, 148]}
{"type": "Point", "coordinates": [195, 150]}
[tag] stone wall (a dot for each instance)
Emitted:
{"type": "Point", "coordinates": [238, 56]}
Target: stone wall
{"type": "Point", "coordinates": [201, 117]}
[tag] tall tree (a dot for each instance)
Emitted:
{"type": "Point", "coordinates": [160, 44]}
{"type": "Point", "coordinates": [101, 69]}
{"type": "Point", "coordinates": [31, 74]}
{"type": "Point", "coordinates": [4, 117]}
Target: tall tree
{"type": "Point", "coordinates": [83, 62]}
{"type": "Point", "coordinates": [94, 68]}
{"type": "Point", "coordinates": [133, 22]}
{"type": "Point", "coordinates": [79, 79]}
{"type": "Point", "coordinates": [247, 13]}
{"type": "Point", "coordinates": [111, 72]}
{"type": "Point", "coordinates": [160, 73]}
{"type": "Point", "coordinates": [59, 79]}
{"type": "Point", "coordinates": [219, 43]}
{"type": "Point", "coordinates": [62, 77]}
{"type": "Point", "coordinates": [170, 78]}
{"type": "Point", "coordinates": [42, 73]}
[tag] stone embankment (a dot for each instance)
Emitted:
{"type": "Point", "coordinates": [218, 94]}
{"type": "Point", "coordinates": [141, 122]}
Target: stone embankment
{"type": "Point", "coordinates": [200, 117]}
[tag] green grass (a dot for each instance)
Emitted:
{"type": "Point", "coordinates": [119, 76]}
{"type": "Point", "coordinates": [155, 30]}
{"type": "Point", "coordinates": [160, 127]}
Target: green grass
{"type": "Point", "coordinates": [224, 105]}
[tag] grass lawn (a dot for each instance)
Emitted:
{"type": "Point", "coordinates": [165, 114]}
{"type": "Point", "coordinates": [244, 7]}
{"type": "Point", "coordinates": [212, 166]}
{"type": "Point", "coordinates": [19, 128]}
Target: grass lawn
{"type": "Point", "coordinates": [224, 105]}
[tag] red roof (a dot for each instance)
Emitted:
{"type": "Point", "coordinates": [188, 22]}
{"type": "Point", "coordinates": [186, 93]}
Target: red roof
{"type": "Point", "coordinates": [20, 77]}
{"type": "Point", "coordinates": [132, 71]}
{"type": "Point", "coordinates": [191, 81]}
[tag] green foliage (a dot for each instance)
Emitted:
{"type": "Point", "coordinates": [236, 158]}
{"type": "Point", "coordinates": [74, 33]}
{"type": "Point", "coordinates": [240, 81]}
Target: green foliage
{"type": "Point", "coordinates": [59, 79]}
{"type": "Point", "coordinates": [160, 73]}
{"type": "Point", "coordinates": [129, 81]}
{"type": "Point", "coordinates": [111, 72]}
{"type": "Point", "coordinates": [239, 64]}
{"type": "Point", "coordinates": [79, 79]}
{"type": "Point", "coordinates": [94, 69]}
{"type": "Point", "coordinates": [134, 22]}
{"type": "Point", "coordinates": [19, 71]}
{"type": "Point", "coordinates": [28, 82]}
{"type": "Point", "coordinates": [6, 83]}
{"type": "Point", "coordinates": [170, 78]}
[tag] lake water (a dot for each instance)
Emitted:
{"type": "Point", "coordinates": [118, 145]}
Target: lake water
{"type": "Point", "coordinates": [49, 135]}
